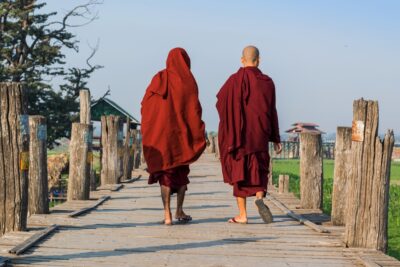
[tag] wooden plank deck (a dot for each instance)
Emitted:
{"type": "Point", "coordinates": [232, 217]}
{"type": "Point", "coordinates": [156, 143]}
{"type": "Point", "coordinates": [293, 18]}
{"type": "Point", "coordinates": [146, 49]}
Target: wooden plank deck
{"type": "Point", "coordinates": [126, 231]}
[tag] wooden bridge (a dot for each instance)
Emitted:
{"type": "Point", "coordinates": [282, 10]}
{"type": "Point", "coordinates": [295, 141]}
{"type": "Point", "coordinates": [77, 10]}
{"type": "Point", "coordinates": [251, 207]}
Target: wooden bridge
{"type": "Point", "coordinates": [126, 231]}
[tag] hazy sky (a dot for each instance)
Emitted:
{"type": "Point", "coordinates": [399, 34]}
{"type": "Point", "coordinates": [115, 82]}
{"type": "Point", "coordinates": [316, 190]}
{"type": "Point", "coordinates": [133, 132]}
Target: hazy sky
{"type": "Point", "coordinates": [321, 54]}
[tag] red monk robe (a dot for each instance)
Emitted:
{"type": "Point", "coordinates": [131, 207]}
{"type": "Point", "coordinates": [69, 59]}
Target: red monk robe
{"type": "Point", "coordinates": [172, 129]}
{"type": "Point", "coordinates": [248, 122]}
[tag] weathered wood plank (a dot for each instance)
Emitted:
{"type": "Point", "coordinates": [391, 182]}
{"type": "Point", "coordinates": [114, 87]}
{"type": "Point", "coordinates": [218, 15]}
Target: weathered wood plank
{"type": "Point", "coordinates": [111, 187]}
{"type": "Point", "coordinates": [132, 180]}
{"type": "Point", "coordinates": [21, 248]}
{"type": "Point", "coordinates": [87, 209]}
{"type": "Point", "coordinates": [295, 216]}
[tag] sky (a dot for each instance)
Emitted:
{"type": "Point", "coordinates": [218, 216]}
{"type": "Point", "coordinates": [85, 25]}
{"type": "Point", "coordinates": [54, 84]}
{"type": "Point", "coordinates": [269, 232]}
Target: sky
{"type": "Point", "coordinates": [322, 55]}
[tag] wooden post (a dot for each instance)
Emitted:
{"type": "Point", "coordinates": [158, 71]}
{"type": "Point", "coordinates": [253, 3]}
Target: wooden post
{"type": "Point", "coordinates": [84, 101]}
{"type": "Point", "coordinates": [142, 160]}
{"type": "Point", "coordinates": [85, 117]}
{"type": "Point", "coordinates": [93, 180]}
{"type": "Point", "coordinates": [216, 146]}
{"type": "Point", "coordinates": [38, 182]}
{"type": "Point", "coordinates": [342, 174]}
{"type": "Point", "coordinates": [270, 169]}
{"type": "Point", "coordinates": [14, 157]}
{"type": "Point", "coordinates": [211, 147]}
{"type": "Point", "coordinates": [133, 135]}
{"type": "Point", "coordinates": [283, 184]}
{"type": "Point", "coordinates": [136, 148]}
{"type": "Point", "coordinates": [368, 190]}
{"type": "Point", "coordinates": [128, 155]}
{"type": "Point", "coordinates": [80, 161]}
{"type": "Point", "coordinates": [311, 176]}
{"type": "Point", "coordinates": [120, 144]}
{"type": "Point", "coordinates": [110, 171]}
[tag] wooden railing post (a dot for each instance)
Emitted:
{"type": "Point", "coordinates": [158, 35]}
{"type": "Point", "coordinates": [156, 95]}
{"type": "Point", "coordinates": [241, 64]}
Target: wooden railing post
{"type": "Point", "coordinates": [38, 182]}
{"type": "Point", "coordinates": [79, 163]}
{"type": "Point", "coordinates": [216, 146]}
{"type": "Point", "coordinates": [342, 175]}
{"type": "Point", "coordinates": [283, 187]}
{"type": "Point", "coordinates": [136, 147]}
{"type": "Point", "coordinates": [211, 147]}
{"type": "Point", "coordinates": [270, 170]}
{"type": "Point", "coordinates": [14, 157]}
{"type": "Point", "coordinates": [111, 168]}
{"type": "Point", "coordinates": [85, 118]}
{"type": "Point", "coordinates": [128, 155]}
{"type": "Point", "coordinates": [84, 101]}
{"type": "Point", "coordinates": [368, 190]}
{"type": "Point", "coordinates": [311, 175]}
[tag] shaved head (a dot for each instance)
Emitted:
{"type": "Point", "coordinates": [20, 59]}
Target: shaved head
{"type": "Point", "coordinates": [250, 56]}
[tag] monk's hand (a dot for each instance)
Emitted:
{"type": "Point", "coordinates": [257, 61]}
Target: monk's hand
{"type": "Point", "coordinates": [278, 148]}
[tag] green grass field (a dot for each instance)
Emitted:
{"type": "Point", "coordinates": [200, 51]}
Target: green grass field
{"type": "Point", "coordinates": [292, 168]}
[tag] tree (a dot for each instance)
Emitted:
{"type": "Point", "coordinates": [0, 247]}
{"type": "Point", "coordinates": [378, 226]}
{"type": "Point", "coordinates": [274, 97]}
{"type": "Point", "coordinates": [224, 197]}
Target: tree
{"type": "Point", "coordinates": [31, 51]}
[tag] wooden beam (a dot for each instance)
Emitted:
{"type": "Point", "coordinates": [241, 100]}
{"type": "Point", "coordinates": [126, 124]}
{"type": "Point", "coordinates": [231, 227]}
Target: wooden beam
{"type": "Point", "coordinates": [87, 209]}
{"type": "Point", "coordinates": [24, 246]}
{"type": "Point", "coordinates": [111, 187]}
{"type": "Point", "coordinates": [132, 180]}
{"type": "Point", "coordinates": [295, 216]}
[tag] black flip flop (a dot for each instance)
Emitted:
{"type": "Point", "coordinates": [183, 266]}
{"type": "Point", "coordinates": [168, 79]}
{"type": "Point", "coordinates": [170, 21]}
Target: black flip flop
{"type": "Point", "coordinates": [185, 219]}
{"type": "Point", "coordinates": [264, 211]}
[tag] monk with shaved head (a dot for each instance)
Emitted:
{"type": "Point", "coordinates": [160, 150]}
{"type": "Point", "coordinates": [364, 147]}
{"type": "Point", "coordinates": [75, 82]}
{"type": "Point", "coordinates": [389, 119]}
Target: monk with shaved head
{"type": "Point", "coordinates": [248, 122]}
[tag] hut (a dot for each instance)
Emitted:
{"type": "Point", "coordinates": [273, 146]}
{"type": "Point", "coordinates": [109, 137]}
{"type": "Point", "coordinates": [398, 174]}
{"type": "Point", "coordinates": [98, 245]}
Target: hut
{"type": "Point", "coordinates": [302, 127]}
{"type": "Point", "coordinates": [105, 106]}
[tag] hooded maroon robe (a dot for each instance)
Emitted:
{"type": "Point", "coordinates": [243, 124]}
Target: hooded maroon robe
{"type": "Point", "coordinates": [172, 128]}
{"type": "Point", "coordinates": [248, 122]}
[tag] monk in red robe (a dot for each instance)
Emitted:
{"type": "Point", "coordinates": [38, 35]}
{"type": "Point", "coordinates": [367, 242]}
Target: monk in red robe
{"type": "Point", "coordinates": [248, 122]}
{"type": "Point", "coordinates": [172, 129]}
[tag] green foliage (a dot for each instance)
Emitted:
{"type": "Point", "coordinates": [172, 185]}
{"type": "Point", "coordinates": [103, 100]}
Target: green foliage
{"type": "Point", "coordinates": [31, 51]}
{"type": "Point", "coordinates": [292, 168]}
{"type": "Point", "coordinates": [394, 221]}
{"type": "Point", "coordinates": [395, 171]}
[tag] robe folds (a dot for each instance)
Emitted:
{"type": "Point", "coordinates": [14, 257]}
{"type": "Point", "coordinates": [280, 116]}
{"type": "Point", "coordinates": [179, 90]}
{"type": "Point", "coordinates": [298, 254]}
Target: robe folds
{"type": "Point", "coordinates": [173, 178]}
{"type": "Point", "coordinates": [172, 128]}
{"type": "Point", "coordinates": [248, 122]}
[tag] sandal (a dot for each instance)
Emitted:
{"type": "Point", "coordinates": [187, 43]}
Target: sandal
{"type": "Point", "coordinates": [233, 220]}
{"type": "Point", "coordinates": [264, 211]}
{"type": "Point", "coordinates": [184, 219]}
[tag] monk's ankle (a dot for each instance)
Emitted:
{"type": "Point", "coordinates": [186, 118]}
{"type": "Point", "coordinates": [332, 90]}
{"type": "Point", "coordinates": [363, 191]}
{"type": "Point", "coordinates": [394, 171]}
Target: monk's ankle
{"type": "Point", "coordinates": [179, 214]}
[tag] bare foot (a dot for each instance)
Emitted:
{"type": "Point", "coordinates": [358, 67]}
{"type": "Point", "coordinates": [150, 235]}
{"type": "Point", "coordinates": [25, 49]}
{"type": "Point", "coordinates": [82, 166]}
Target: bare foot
{"type": "Point", "coordinates": [168, 218]}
